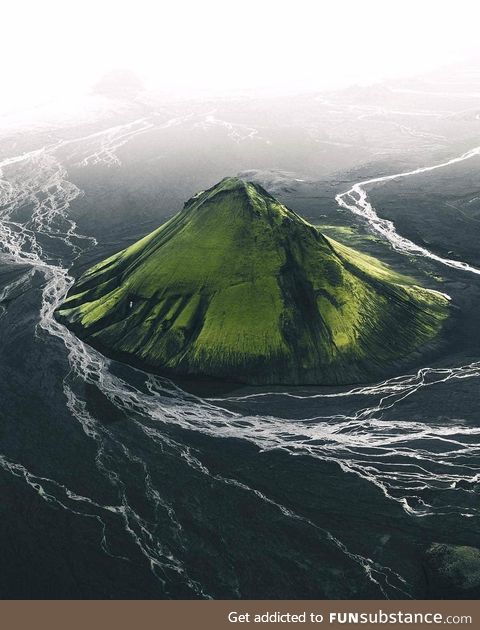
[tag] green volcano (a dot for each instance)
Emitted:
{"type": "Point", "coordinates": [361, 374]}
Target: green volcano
{"type": "Point", "coordinates": [237, 286]}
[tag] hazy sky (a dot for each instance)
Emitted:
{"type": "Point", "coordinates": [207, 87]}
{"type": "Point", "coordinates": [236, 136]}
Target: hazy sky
{"type": "Point", "coordinates": [54, 47]}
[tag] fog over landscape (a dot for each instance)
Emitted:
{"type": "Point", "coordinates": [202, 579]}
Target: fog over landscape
{"type": "Point", "coordinates": [363, 119]}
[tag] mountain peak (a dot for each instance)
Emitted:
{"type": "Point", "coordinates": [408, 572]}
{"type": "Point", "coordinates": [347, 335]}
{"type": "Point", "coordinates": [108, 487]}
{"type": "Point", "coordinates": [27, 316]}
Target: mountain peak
{"type": "Point", "coordinates": [234, 196]}
{"type": "Point", "coordinates": [230, 186]}
{"type": "Point", "coordinates": [237, 286]}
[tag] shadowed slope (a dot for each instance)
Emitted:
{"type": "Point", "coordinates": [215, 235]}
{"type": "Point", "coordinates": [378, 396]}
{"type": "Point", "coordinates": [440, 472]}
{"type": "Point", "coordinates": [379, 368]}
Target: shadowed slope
{"type": "Point", "coordinates": [237, 286]}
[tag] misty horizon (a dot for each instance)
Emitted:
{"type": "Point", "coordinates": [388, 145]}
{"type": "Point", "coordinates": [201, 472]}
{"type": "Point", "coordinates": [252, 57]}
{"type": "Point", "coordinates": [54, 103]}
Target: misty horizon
{"type": "Point", "coordinates": [209, 51]}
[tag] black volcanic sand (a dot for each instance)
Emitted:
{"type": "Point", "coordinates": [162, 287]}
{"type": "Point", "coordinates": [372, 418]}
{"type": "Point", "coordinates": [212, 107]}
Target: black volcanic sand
{"type": "Point", "coordinates": [258, 523]}
{"type": "Point", "coordinates": [439, 210]}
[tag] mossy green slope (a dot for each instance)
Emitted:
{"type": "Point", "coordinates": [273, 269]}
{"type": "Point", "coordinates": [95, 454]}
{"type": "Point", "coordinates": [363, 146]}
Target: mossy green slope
{"type": "Point", "coordinates": [237, 286]}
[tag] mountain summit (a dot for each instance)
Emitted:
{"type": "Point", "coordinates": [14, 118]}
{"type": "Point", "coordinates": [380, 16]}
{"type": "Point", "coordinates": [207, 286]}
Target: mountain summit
{"type": "Point", "coordinates": [237, 286]}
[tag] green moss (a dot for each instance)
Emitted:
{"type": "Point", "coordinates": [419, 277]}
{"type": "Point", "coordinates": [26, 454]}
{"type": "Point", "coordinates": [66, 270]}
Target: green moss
{"type": "Point", "coordinates": [238, 286]}
{"type": "Point", "coordinates": [224, 331]}
{"type": "Point", "coordinates": [457, 565]}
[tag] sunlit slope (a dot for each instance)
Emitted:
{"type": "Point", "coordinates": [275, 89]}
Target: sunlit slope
{"type": "Point", "coordinates": [237, 286]}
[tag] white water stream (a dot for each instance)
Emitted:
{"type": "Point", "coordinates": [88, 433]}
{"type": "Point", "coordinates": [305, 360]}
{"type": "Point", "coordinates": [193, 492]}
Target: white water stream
{"type": "Point", "coordinates": [361, 443]}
